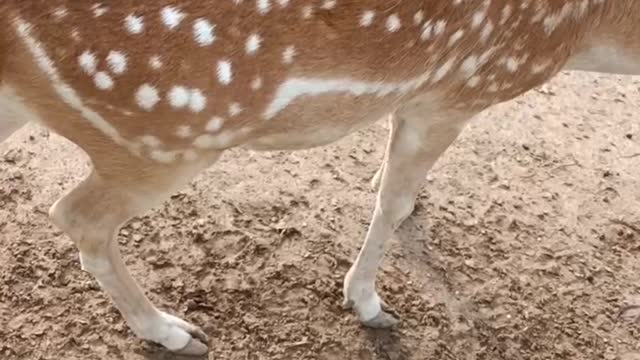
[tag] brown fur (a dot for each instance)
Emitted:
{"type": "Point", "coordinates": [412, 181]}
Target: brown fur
{"type": "Point", "coordinates": [330, 44]}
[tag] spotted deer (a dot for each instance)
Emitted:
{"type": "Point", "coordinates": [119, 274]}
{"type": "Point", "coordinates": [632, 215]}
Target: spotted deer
{"type": "Point", "coordinates": [155, 91]}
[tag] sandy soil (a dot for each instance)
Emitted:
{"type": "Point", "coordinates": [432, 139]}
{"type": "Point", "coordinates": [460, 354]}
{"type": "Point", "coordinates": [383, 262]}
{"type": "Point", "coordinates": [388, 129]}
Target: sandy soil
{"type": "Point", "coordinates": [524, 244]}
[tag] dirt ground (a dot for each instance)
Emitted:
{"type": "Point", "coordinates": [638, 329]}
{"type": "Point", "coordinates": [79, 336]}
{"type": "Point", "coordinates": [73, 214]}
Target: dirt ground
{"type": "Point", "coordinates": [525, 244]}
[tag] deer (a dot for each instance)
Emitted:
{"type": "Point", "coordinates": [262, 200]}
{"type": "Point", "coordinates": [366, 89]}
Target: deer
{"type": "Point", "coordinates": [155, 91]}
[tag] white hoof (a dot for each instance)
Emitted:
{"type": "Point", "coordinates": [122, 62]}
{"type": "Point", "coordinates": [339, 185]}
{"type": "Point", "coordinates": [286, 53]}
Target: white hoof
{"type": "Point", "coordinates": [176, 335]}
{"type": "Point", "coordinates": [383, 320]}
{"type": "Point", "coordinates": [193, 348]}
{"type": "Point", "coordinates": [362, 297]}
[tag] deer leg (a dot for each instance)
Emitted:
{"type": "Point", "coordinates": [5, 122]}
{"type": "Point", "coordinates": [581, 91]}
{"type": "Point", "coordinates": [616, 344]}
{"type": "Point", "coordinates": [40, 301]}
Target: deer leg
{"type": "Point", "coordinates": [12, 114]}
{"type": "Point", "coordinates": [8, 128]}
{"type": "Point", "coordinates": [91, 215]}
{"type": "Point", "coordinates": [375, 181]}
{"type": "Point", "coordinates": [414, 147]}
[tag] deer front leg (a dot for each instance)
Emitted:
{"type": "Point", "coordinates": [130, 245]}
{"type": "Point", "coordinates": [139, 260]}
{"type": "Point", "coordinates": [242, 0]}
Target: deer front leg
{"type": "Point", "coordinates": [414, 147]}
{"type": "Point", "coordinates": [91, 215]}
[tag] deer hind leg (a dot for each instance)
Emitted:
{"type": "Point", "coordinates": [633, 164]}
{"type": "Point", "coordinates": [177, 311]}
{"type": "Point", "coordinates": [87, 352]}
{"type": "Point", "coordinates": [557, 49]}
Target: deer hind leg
{"type": "Point", "coordinates": [13, 113]}
{"type": "Point", "coordinates": [414, 147]}
{"type": "Point", "coordinates": [375, 181]}
{"type": "Point", "coordinates": [91, 215]}
{"type": "Point", "coordinates": [7, 128]}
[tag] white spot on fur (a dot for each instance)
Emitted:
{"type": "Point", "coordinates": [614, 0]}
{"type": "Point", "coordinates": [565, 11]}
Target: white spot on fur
{"type": "Point", "coordinates": [551, 22]}
{"type": "Point", "coordinates": [469, 66]}
{"type": "Point", "coordinates": [366, 19]}
{"type": "Point", "coordinates": [99, 9]}
{"type": "Point", "coordinates": [235, 109]}
{"type": "Point", "coordinates": [288, 54]}
{"type": "Point", "coordinates": [283, 3]}
{"type": "Point", "coordinates": [134, 24]}
{"type": "Point", "coordinates": [204, 141]}
{"type": "Point", "coordinates": [484, 57]}
{"type": "Point", "coordinates": [505, 14]}
{"type": "Point", "coordinates": [172, 16]}
{"type": "Point", "coordinates": [487, 29]}
{"type": "Point", "coordinates": [103, 81]}
{"type": "Point", "coordinates": [538, 68]}
{"type": "Point", "coordinates": [439, 27]}
{"type": "Point", "coordinates": [263, 6]}
{"type": "Point", "coordinates": [540, 13]}
{"type": "Point", "coordinates": [455, 37]}
{"type": "Point", "coordinates": [477, 18]}
{"type": "Point", "coordinates": [418, 17]}
{"type": "Point", "coordinates": [147, 97]}
{"type": "Point", "coordinates": [511, 64]}
{"type": "Point", "coordinates": [473, 81]}
{"type": "Point", "coordinates": [393, 23]}
{"type": "Point", "coordinates": [256, 83]}
{"type": "Point", "coordinates": [582, 10]}
{"type": "Point", "coordinates": [60, 13]}
{"type": "Point", "coordinates": [150, 141]}
{"type": "Point", "coordinates": [197, 101]}
{"type": "Point", "coordinates": [329, 4]}
{"type": "Point", "coordinates": [225, 72]}
{"type": "Point", "coordinates": [117, 62]}
{"type": "Point", "coordinates": [427, 31]}
{"type": "Point", "coordinates": [164, 157]}
{"type": "Point", "coordinates": [430, 30]}
{"type": "Point", "coordinates": [75, 35]}
{"type": "Point", "coordinates": [443, 70]}
{"type": "Point", "coordinates": [184, 131]}
{"type": "Point", "coordinates": [307, 11]}
{"type": "Point", "coordinates": [204, 32]}
{"type": "Point", "coordinates": [155, 62]}
{"type": "Point", "coordinates": [178, 97]}
{"type": "Point", "coordinates": [88, 62]}
{"type": "Point", "coordinates": [253, 44]}
{"type": "Point", "coordinates": [215, 124]}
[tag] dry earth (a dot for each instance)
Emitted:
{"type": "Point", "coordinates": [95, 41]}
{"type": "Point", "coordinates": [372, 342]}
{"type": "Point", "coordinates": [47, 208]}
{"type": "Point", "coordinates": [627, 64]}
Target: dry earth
{"type": "Point", "coordinates": [524, 244]}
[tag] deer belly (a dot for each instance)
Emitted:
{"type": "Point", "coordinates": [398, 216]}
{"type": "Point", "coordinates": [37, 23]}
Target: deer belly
{"type": "Point", "coordinates": [320, 120]}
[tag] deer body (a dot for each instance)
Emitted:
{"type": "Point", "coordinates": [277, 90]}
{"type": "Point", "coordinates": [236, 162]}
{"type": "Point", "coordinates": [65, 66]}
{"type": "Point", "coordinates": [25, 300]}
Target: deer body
{"type": "Point", "coordinates": [154, 92]}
